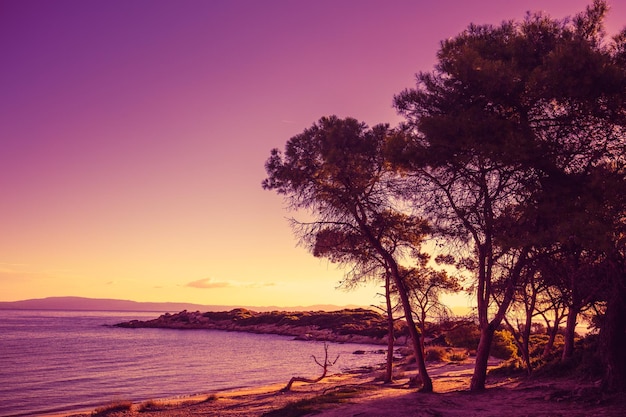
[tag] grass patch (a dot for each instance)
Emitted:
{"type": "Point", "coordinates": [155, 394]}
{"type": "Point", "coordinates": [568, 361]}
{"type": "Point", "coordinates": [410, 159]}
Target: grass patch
{"type": "Point", "coordinates": [312, 405]}
{"type": "Point", "coordinates": [457, 356]}
{"type": "Point", "coordinates": [443, 354]}
{"type": "Point", "coordinates": [209, 399]}
{"type": "Point", "coordinates": [117, 406]}
{"type": "Point", "coordinates": [157, 405]}
{"type": "Point", "coordinates": [396, 375]}
{"type": "Point", "coordinates": [152, 405]}
{"type": "Point", "coordinates": [436, 354]}
{"type": "Point", "coordinates": [512, 367]}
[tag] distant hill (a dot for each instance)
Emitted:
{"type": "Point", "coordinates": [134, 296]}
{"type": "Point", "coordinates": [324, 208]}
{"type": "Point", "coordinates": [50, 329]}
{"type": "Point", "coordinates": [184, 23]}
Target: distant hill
{"type": "Point", "coordinates": [103, 304]}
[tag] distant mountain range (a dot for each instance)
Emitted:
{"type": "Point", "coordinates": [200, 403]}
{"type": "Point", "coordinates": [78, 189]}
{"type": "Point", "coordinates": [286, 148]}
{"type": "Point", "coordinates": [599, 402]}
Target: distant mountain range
{"type": "Point", "coordinates": [103, 304]}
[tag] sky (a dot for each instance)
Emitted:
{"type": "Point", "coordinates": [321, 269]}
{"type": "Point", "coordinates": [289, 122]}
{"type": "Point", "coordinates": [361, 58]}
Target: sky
{"type": "Point", "coordinates": [133, 135]}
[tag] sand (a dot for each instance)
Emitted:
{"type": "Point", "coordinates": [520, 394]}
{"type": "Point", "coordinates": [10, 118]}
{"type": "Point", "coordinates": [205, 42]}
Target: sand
{"type": "Point", "coordinates": [503, 397]}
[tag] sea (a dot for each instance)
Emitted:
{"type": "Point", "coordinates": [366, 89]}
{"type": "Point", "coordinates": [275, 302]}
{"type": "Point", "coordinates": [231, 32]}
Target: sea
{"type": "Point", "coordinates": [55, 362]}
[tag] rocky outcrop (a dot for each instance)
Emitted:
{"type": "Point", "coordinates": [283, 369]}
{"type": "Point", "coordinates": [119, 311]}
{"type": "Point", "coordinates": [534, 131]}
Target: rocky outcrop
{"type": "Point", "coordinates": [347, 326]}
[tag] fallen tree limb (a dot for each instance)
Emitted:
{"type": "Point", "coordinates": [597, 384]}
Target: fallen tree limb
{"type": "Point", "coordinates": [324, 366]}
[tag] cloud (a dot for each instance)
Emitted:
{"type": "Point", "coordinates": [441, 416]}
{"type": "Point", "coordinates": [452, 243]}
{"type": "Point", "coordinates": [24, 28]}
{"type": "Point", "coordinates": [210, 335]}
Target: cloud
{"type": "Point", "coordinates": [9, 268]}
{"type": "Point", "coordinates": [11, 264]}
{"type": "Point", "coordinates": [261, 284]}
{"type": "Point", "coordinates": [24, 272]}
{"type": "Point", "coordinates": [207, 283]}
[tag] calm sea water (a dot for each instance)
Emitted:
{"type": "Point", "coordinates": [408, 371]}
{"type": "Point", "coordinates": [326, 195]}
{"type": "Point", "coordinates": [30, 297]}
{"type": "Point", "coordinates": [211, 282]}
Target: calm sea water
{"type": "Point", "coordinates": [57, 361]}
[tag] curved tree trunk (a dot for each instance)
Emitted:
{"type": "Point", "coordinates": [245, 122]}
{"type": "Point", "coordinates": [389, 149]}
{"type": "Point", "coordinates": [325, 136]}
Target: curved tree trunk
{"type": "Point", "coordinates": [427, 383]}
{"type": "Point", "coordinates": [570, 331]}
{"type": "Point", "coordinates": [479, 378]}
{"type": "Point", "coordinates": [390, 333]}
{"type": "Point", "coordinates": [552, 332]}
{"type": "Point", "coordinates": [488, 328]}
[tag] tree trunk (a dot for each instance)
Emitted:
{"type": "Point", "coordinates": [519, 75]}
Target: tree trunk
{"type": "Point", "coordinates": [487, 328]}
{"type": "Point", "coordinates": [613, 340]}
{"type": "Point", "coordinates": [526, 339]}
{"type": "Point", "coordinates": [552, 332]}
{"type": "Point", "coordinates": [406, 306]}
{"type": "Point", "coordinates": [390, 333]}
{"type": "Point", "coordinates": [482, 359]}
{"type": "Point", "coordinates": [526, 356]}
{"type": "Point", "coordinates": [570, 330]}
{"type": "Point", "coordinates": [521, 339]}
{"type": "Point", "coordinates": [427, 383]}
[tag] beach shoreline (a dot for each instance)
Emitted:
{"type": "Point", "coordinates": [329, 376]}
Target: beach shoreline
{"type": "Point", "coordinates": [366, 396]}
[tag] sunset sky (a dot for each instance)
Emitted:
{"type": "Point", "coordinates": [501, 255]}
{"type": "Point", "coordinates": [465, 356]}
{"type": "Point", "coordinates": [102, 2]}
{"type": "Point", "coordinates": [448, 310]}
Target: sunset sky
{"type": "Point", "coordinates": [133, 135]}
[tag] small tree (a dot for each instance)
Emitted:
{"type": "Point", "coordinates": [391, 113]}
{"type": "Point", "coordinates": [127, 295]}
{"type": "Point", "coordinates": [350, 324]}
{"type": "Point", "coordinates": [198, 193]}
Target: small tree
{"type": "Point", "coordinates": [526, 301]}
{"type": "Point", "coordinates": [426, 285]}
{"type": "Point", "coordinates": [552, 308]}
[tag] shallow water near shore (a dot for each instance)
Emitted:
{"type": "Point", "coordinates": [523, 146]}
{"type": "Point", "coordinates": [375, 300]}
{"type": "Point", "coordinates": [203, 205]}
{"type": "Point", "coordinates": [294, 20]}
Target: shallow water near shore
{"type": "Point", "coordinates": [59, 361]}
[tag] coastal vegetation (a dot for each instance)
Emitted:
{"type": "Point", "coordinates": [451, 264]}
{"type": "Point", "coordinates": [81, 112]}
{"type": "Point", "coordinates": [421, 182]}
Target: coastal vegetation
{"type": "Point", "coordinates": [450, 346]}
{"type": "Point", "coordinates": [509, 167]}
{"type": "Point", "coordinates": [312, 405]}
{"type": "Point", "coordinates": [348, 325]}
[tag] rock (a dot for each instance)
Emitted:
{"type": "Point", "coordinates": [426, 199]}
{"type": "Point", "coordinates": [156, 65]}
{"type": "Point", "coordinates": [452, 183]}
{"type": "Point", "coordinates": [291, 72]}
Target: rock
{"type": "Point", "coordinates": [344, 326]}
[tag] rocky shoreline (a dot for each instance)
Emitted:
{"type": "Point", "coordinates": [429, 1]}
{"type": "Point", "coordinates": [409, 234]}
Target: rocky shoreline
{"type": "Point", "coordinates": [343, 326]}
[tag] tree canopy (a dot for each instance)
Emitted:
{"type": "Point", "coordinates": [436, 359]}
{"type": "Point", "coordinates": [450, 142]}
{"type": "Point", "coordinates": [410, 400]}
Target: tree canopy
{"type": "Point", "coordinates": [511, 131]}
{"type": "Point", "coordinates": [512, 152]}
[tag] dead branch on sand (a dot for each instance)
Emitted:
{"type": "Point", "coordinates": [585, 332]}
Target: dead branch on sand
{"type": "Point", "coordinates": [324, 366]}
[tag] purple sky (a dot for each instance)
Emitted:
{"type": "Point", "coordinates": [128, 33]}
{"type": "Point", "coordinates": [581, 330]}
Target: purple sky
{"type": "Point", "coordinates": [133, 135]}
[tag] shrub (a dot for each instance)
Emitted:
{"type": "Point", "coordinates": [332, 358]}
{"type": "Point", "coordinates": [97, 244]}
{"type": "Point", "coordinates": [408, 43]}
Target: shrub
{"type": "Point", "coordinates": [150, 405]}
{"type": "Point", "coordinates": [312, 405]}
{"type": "Point", "coordinates": [513, 366]}
{"type": "Point", "coordinates": [465, 336]}
{"type": "Point", "coordinates": [458, 356]}
{"type": "Point", "coordinates": [435, 354]}
{"type": "Point", "coordinates": [468, 336]}
{"type": "Point", "coordinates": [585, 362]}
{"type": "Point", "coordinates": [503, 345]}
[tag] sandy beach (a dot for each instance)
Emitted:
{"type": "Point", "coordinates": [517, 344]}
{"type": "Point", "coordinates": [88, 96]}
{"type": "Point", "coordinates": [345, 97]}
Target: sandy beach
{"type": "Point", "coordinates": [364, 395]}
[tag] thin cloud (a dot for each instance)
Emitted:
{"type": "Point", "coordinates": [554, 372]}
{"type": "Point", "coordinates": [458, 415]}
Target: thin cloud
{"type": "Point", "coordinates": [261, 285]}
{"type": "Point", "coordinates": [10, 268]}
{"type": "Point", "coordinates": [207, 283]}
{"type": "Point", "coordinates": [24, 272]}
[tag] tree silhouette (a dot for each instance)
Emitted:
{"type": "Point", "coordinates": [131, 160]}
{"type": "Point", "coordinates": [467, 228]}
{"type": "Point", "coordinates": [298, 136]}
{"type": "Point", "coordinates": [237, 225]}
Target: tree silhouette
{"type": "Point", "coordinates": [338, 172]}
{"type": "Point", "coordinates": [512, 117]}
{"type": "Point", "coordinates": [426, 285]}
